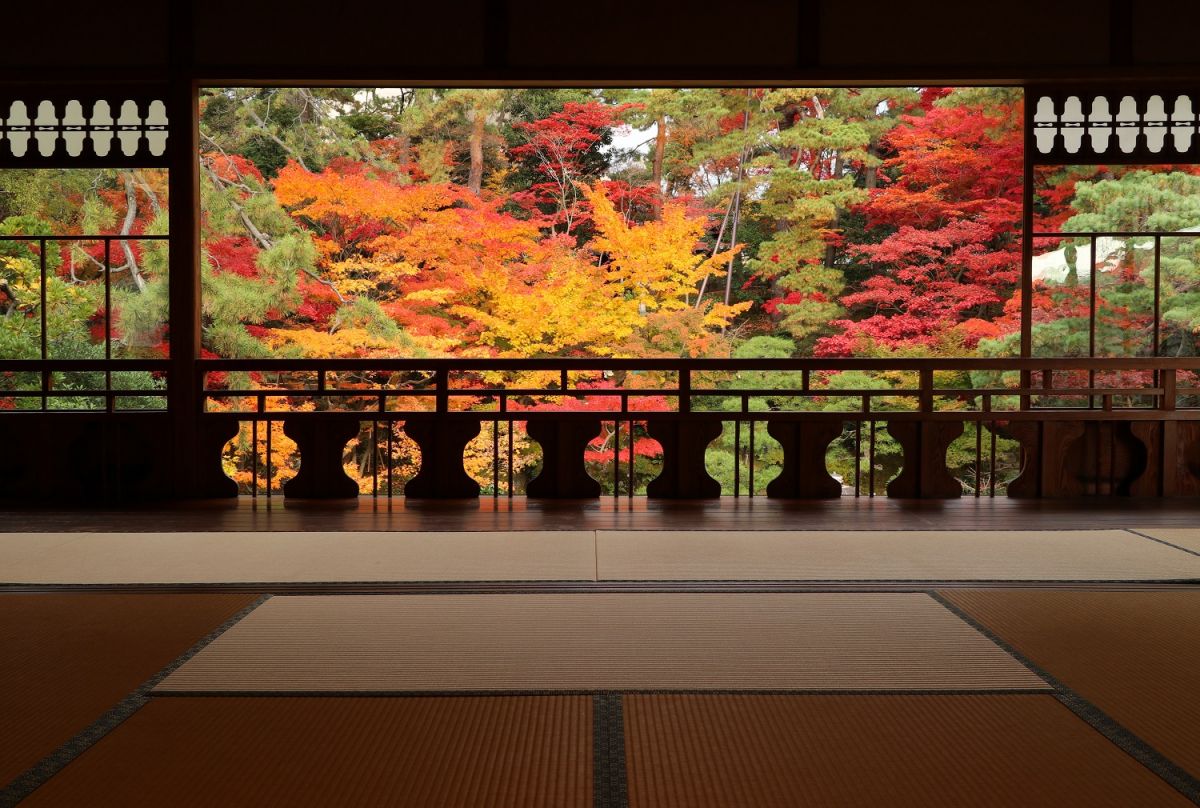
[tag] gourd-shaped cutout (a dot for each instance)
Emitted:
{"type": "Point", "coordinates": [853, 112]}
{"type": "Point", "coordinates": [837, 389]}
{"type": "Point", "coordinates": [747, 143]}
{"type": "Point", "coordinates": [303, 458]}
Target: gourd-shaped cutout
{"type": "Point", "coordinates": [1072, 124]}
{"type": "Point", "coordinates": [1183, 123]}
{"type": "Point", "coordinates": [1127, 124]}
{"type": "Point", "coordinates": [156, 128]}
{"type": "Point", "coordinates": [18, 117]}
{"type": "Point", "coordinates": [1043, 118]}
{"type": "Point", "coordinates": [102, 128]}
{"type": "Point", "coordinates": [1101, 129]}
{"type": "Point", "coordinates": [46, 129]}
{"type": "Point", "coordinates": [1154, 123]}
{"type": "Point", "coordinates": [129, 127]}
{"type": "Point", "coordinates": [73, 124]}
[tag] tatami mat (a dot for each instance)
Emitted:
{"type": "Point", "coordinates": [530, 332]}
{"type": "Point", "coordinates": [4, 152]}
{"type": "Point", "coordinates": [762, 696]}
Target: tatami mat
{"type": "Point", "coordinates": [1046, 555]}
{"type": "Point", "coordinates": [260, 557]}
{"type": "Point", "coordinates": [743, 751]}
{"type": "Point", "coordinates": [296, 557]}
{"type": "Point", "coordinates": [601, 642]}
{"type": "Point", "coordinates": [533, 752]}
{"type": "Point", "coordinates": [1135, 655]}
{"type": "Point", "coordinates": [67, 659]}
{"type": "Point", "coordinates": [1185, 537]}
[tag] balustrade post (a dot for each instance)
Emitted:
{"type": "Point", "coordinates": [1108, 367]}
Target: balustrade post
{"type": "Point", "coordinates": [1046, 449]}
{"type": "Point", "coordinates": [442, 442]}
{"type": "Point", "coordinates": [212, 436]}
{"type": "Point", "coordinates": [683, 474]}
{"type": "Point", "coordinates": [924, 474]}
{"type": "Point", "coordinates": [321, 443]}
{"type": "Point", "coordinates": [804, 474]}
{"type": "Point", "coordinates": [563, 474]}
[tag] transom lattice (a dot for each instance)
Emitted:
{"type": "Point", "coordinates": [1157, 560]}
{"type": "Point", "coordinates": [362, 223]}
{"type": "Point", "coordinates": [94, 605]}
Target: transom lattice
{"type": "Point", "coordinates": [78, 129]}
{"type": "Point", "coordinates": [1115, 126]}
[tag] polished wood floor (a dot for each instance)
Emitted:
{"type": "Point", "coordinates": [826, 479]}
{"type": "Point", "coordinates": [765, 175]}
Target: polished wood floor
{"type": "Point", "coordinates": [726, 513]}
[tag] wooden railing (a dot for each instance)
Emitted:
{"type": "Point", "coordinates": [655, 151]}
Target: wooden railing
{"type": "Point", "coordinates": [1084, 426]}
{"type": "Point", "coordinates": [1080, 427]}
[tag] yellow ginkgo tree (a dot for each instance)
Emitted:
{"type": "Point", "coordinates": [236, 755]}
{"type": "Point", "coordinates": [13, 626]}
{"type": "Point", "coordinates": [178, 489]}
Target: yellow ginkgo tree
{"type": "Point", "coordinates": [655, 267]}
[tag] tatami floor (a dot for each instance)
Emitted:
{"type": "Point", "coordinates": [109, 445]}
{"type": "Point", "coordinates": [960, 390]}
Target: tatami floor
{"type": "Point", "coordinates": [349, 659]}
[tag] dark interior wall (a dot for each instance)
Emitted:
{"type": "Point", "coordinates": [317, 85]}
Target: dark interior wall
{"type": "Point", "coordinates": [549, 40]}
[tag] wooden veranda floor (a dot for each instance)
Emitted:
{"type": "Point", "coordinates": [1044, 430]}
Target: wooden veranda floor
{"type": "Point", "coordinates": [726, 513]}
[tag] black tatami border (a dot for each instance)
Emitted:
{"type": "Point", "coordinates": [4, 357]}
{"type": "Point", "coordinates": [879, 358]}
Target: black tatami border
{"type": "Point", "coordinates": [1137, 748]}
{"type": "Point", "coordinates": [26, 783]}
{"type": "Point", "coordinates": [1160, 541]}
{"type": "Point", "coordinates": [572, 587]}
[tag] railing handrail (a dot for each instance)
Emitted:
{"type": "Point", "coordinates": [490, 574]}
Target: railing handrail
{"type": "Point", "coordinates": [685, 364]}
{"type": "Point", "coordinates": [607, 363]}
{"type": "Point", "coordinates": [86, 237]}
{"type": "Point", "coordinates": [58, 365]}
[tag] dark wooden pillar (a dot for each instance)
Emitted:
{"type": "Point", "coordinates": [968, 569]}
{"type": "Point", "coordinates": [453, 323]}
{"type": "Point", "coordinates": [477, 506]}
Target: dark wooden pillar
{"type": "Point", "coordinates": [684, 475]}
{"type": "Point", "coordinates": [924, 474]}
{"type": "Point", "coordinates": [211, 480]}
{"type": "Point", "coordinates": [804, 474]}
{"type": "Point", "coordinates": [1045, 448]}
{"type": "Point", "coordinates": [321, 444]}
{"type": "Point", "coordinates": [442, 442]}
{"type": "Point", "coordinates": [1186, 468]}
{"type": "Point", "coordinates": [1156, 478]}
{"type": "Point", "coordinates": [563, 474]}
{"type": "Point", "coordinates": [183, 393]}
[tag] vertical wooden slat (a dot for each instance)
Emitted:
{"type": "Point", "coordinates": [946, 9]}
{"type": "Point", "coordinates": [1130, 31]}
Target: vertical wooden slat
{"type": "Point", "coordinates": [1092, 320]}
{"type": "Point", "coordinates": [495, 459]}
{"type": "Point", "coordinates": [108, 396]}
{"type": "Point", "coordinates": [978, 458]}
{"type": "Point", "coordinates": [254, 459]}
{"type": "Point", "coordinates": [631, 492]}
{"type": "Point", "coordinates": [992, 451]}
{"type": "Point", "coordinates": [750, 470]}
{"type": "Point", "coordinates": [42, 297]}
{"type": "Point", "coordinates": [1157, 294]}
{"type": "Point", "coordinates": [616, 458]}
{"type": "Point", "coordinates": [857, 457]}
{"type": "Point", "coordinates": [270, 466]}
{"type": "Point", "coordinates": [1027, 195]}
{"type": "Point", "coordinates": [871, 461]}
{"type": "Point", "coordinates": [737, 457]}
{"type": "Point", "coordinates": [183, 283]}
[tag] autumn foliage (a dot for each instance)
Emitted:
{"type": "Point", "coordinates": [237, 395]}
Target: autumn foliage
{"type": "Point", "coordinates": [702, 222]}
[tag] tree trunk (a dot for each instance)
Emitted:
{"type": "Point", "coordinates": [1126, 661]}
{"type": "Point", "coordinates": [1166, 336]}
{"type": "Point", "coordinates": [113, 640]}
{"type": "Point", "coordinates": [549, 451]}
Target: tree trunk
{"type": "Point", "coordinates": [737, 212]}
{"type": "Point", "coordinates": [403, 152]}
{"type": "Point", "coordinates": [475, 178]}
{"type": "Point", "coordinates": [737, 206]}
{"type": "Point", "coordinates": [872, 179]}
{"type": "Point", "coordinates": [830, 252]}
{"type": "Point", "coordinates": [660, 148]}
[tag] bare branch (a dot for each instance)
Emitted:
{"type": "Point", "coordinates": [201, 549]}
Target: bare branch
{"type": "Point", "coordinates": [248, 104]}
{"type": "Point", "coordinates": [148, 191]}
{"type": "Point", "coordinates": [126, 227]}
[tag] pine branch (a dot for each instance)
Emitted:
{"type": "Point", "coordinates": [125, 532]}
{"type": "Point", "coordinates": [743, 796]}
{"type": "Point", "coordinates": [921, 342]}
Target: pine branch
{"type": "Point", "coordinates": [261, 238]}
{"type": "Point", "coordinates": [248, 104]}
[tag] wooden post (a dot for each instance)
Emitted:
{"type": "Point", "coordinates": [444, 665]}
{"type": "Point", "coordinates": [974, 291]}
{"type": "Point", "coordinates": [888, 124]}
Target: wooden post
{"type": "Point", "coordinates": [183, 381]}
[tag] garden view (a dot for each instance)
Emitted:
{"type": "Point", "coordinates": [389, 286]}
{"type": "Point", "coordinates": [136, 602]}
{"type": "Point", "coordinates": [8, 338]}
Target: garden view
{"type": "Point", "coordinates": [712, 222]}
